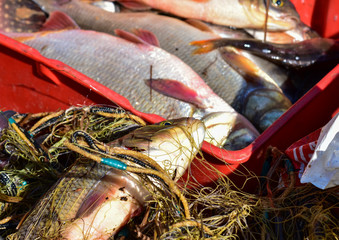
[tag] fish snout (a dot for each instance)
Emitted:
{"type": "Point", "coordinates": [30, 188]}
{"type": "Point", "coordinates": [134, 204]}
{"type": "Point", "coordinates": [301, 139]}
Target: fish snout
{"type": "Point", "coordinates": [242, 134]}
{"type": "Point", "coordinates": [229, 129]}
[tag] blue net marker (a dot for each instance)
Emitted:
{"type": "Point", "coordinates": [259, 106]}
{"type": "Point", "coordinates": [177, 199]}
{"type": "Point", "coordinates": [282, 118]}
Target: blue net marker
{"type": "Point", "coordinates": [114, 163]}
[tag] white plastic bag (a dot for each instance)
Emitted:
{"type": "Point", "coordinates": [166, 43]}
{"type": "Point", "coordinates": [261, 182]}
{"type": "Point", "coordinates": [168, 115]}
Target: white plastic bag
{"type": "Point", "coordinates": [323, 168]}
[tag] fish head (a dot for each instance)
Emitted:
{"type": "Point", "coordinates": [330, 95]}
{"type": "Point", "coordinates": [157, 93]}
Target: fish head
{"type": "Point", "coordinates": [282, 15]}
{"type": "Point", "coordinates": [172, 143]}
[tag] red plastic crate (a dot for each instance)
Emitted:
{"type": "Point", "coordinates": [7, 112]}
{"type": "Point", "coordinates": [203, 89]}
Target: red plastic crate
{"type": "Point", "coordinates": [30, 82]}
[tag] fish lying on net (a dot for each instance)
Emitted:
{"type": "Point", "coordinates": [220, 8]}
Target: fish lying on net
{"type": "Point", "coordinates": [93, 200]}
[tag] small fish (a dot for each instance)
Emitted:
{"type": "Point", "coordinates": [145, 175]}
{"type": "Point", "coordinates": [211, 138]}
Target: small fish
{"type": "Point", "coordinates": [282, 15]}
{"type": "Point", "coordinates": [93, 201]}
{"type": "Point", "coordinates": [296, 55]}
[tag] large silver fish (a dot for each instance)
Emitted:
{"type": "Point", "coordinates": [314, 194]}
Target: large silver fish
{"type": "Point", "coordinates": [236, 13]}
{"type": "Point", "coordinates": [129, 67]}
{"type": "Point", "coordinates": [93, 201]}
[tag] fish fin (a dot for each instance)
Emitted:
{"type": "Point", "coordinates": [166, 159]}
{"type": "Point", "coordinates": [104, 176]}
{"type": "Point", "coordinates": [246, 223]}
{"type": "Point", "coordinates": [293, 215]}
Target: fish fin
{"type": "Point", "coordinates": [102, 192]}
{"type": "Point", "coordinates": [129, 36]}
{"type": "Point", "coordinates": [58, 21]}
{"type": "Point", "coordinates": [204, 46]}
{"type": "Point", "coordinates": [147, 36]}
{"type": "Point", "coordinates": [177, 90]}
{"type": "Point", "coordinates": [241, 64]}
{"type": "Point", "coordinates": [199, 25]}
{"type": "Point", "coordinates": [134, 5]}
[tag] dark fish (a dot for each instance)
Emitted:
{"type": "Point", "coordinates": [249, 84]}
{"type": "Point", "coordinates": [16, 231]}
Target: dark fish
{"type": "Point", "coordinates": [296, 55]}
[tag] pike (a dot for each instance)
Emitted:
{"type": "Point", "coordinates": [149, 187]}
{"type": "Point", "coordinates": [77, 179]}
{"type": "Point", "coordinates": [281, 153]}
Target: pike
{"type": "Point", "coordinates": [94, 201]}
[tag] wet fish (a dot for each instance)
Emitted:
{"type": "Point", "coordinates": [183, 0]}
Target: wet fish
{"type": "Point", "coordinates": [174, 36]}
{"type": "Point", "coordinates": [93, 201]}
{"type": "Point", "coordinates": [282, 15]}
{"type": "Point", "coordinates": [124, 65]}
{"type": "Point", "coordinates": [296, 55]}
{"type": "Point", "coordinates": [108, 60]}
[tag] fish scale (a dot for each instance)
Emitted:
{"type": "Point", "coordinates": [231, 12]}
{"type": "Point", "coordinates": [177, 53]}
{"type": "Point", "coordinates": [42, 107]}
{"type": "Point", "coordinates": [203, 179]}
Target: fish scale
{"type": "Point", "coordinates": [89, 173]}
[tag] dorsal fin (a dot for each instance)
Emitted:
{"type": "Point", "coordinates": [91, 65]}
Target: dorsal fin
{"type": "Point", "coordinates": [129, 36]}
{"type": "Point", "coordinates": [147, 36]}
{"type": "Point", "coordinates": [59, 21]}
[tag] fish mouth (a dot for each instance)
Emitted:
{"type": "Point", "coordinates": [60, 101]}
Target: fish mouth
{"type": "Point", "coordinates": [289, 22]}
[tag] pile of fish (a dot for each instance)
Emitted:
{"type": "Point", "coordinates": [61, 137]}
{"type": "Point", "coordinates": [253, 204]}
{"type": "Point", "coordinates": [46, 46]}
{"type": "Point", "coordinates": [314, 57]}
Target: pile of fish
{"type": "Point", "coordinates": [221, 70]}
{"type": "Point", "coordinates": [147, 55]}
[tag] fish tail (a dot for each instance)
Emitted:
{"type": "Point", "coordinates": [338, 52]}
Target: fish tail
{"type": "Point", "coordinates": [204, 46]}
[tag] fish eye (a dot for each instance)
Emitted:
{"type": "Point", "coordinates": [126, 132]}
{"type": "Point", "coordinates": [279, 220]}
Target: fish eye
{"type": "Point", "coordinates": [165, 123]}
{"type": "Point", "coordinates": [278, 3]}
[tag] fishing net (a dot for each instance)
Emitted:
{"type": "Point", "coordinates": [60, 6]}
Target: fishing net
{"type": "Point", "coordinates": [38, 150]}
